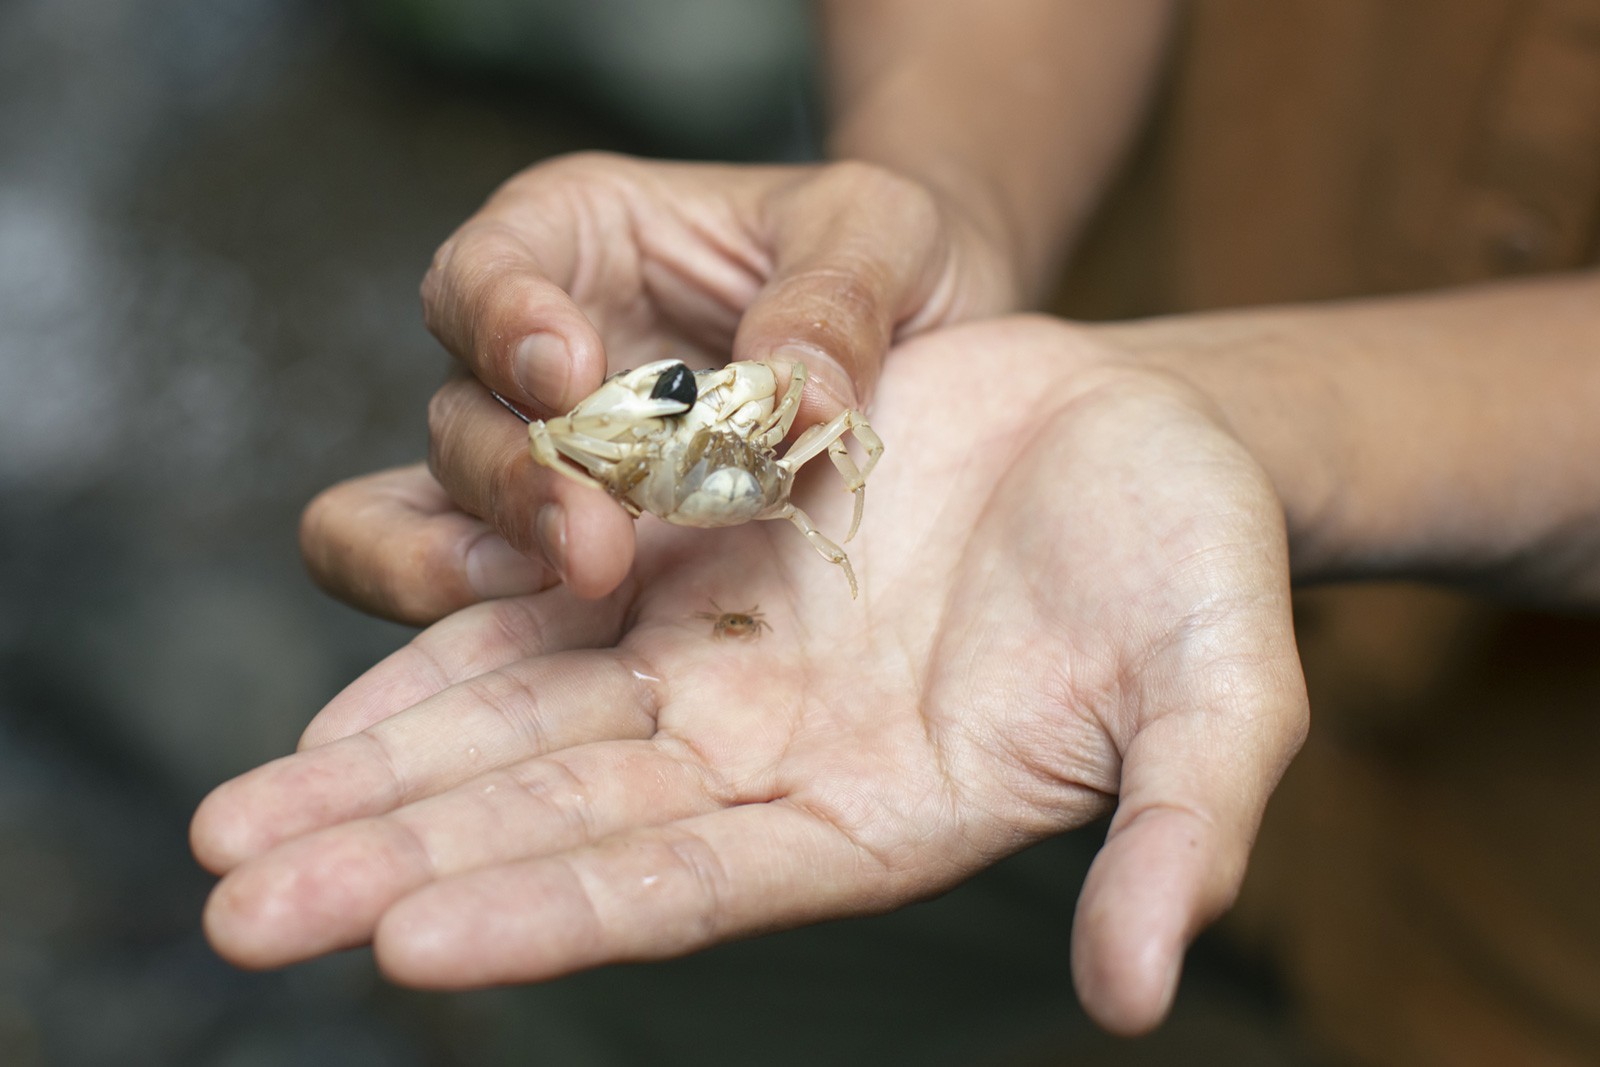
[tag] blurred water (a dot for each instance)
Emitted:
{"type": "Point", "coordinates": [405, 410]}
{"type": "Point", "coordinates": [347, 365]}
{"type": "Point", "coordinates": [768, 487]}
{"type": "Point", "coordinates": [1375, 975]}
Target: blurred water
{"type": "Point", "coordinates": [213, 216]}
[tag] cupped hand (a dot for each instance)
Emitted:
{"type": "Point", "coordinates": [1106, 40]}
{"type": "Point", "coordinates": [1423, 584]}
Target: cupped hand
{"type": "Point", "coordinates": [591, 263]}
{"type": "Point", "coordinates": [1074, 597]}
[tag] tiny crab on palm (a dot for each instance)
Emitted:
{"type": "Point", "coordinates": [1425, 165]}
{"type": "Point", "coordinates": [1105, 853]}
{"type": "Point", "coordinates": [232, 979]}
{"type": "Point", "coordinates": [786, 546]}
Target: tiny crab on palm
{"type": "Point", "coordinates": [699, 448]}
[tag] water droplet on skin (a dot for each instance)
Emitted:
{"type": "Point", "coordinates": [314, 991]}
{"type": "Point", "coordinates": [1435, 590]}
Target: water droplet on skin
{"type": "Point", "coordinates": [472, 752]}
{"type": "Point", "coordinates": [649, 880]}
{"type": "Point", "coordinates": [490, 788]}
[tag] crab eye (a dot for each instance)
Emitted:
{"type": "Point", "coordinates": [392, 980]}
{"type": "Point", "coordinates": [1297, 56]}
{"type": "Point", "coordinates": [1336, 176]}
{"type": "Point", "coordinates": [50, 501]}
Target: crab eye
{"type": "Point", "coordinates": [676, 383]}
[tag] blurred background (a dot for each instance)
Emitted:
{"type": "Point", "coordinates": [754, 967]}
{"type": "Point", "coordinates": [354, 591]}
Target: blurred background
{"type": "Point", "coordinates": [213, 218]}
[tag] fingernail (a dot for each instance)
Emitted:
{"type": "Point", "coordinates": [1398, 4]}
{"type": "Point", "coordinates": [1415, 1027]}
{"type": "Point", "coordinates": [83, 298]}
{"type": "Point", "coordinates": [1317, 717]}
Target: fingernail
{"type": "Point", "coordinates": [543, 368]}
{"type": "Point", "coordinates": [824, 371]}
{"type": "Point", "coordinates": [550, 526]}
{"type": "Point", "coordinates": [495, 569]}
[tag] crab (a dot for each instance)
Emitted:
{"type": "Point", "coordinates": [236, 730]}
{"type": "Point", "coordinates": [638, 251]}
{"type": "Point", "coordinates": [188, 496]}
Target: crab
{"type": "Point", "coordinates": [699, 448]}
{"type": "Point", "coordinates": [743, 625]}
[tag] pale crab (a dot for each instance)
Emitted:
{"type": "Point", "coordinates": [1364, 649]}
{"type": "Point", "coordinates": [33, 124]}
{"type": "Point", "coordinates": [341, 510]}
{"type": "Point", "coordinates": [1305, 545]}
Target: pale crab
{"type": "Point", "coordinates": [699, 448]}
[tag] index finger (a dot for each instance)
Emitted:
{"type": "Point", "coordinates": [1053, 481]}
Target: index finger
{"type": "Point", "coordinates": [502, 309]}
{"type": "Point", "coordinates": [479, 453]}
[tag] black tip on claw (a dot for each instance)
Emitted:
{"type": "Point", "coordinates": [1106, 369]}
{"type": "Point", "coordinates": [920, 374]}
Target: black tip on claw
{"type": "Point", "coordinates": [676, 383]}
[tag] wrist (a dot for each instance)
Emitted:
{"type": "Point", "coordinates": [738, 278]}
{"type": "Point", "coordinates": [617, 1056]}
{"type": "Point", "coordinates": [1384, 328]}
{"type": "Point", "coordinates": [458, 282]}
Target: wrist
{"type": "Point", "coordinates": [1439, 436]}
{"type": "Point", "coordinates": [1282, 404]}
{"type": "Point", "coordinates": [1018, 118]}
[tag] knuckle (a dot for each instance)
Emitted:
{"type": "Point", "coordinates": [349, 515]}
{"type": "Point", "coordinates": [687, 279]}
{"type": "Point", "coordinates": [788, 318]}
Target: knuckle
{"type": "Point", "coordinates": [432, 288]}
{"type": "Point", "coordinates": [484, 244]}
{"type": "Point", "coordinates": [1297, 726]}
{"type": "Point", "coordinates": [319, 547]}
{"type": "Point", "coordinates": [385, 574]}
{"type": "Point", "coordinates": [588, 160]}
{"type": "Point", "coordinates": [516, 627]}
{"type": "Point", "coordinates": [858, 175]}
{"type": "Point", "coordinates": [479, 252]}
{"type": "Point", "coordinates": [443, 416]}
{"type": "Point", "coordinates": [314, 522]}
{"type": "Point", "coordinates": [398, 564]}
{"type": "Point", "coordinates": [449, 420]}
{"type": "Point", "coordinates": [559, 171]}
{"type": "Point", "coordinates": [443, 406]}
{"type": "Point", "coordinates": [874, 185]}
{"type": "Point", "coordinates": [443, 254]}
{"type": "Point", "coordinates": [552, 786]}
{"type": "Point", "coordinates": [432, 316]}
{"type": "Point", "coordinates": [874, 199]}
{"type": "Point", "coordinates": [709, 881]}
{"type": "Point", "coordinates": [328, 529]}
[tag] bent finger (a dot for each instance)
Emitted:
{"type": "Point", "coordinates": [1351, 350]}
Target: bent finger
{"type": "Point", "coordinates": [858, 250]}
{"type": "Point", "coordinates": [394, 545]}
{"type": "Point", "coordinates": [503, 309]}
{"type": "Point", "coordinates": [479, 453]}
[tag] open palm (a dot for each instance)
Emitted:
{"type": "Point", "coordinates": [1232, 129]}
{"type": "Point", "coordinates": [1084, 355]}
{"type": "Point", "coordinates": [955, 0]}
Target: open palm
{"type": "Point", "coordinates": [1070, 602]}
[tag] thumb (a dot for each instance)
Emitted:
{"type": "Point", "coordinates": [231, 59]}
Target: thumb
{"type": "Point", "coordinates": [857, 251]}
{"type": "Point", "coordinates": [1194, 786]}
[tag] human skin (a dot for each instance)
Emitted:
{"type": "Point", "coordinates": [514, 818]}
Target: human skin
{"type": "Point", "coordinates": [1121, 524]}
{"type": "Point", "coordinates": [1017, 110]}
{"type": "Point", "coordinates": [971, 143]}
{"type": "Point", "coordinates": [1075, 596]}
{"type": "Point", "coordinates": [1446, 436]}
{"type": "Point", "coordinates": [1074, 599]}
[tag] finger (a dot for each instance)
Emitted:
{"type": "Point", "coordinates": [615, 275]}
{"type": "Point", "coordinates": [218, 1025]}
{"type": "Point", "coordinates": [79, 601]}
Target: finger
{"type": "Point", "coordinates": [327, 891]}
{"type": "Point", "coordinates": [858, 250]}
{"type": "Point", "coordinates": [392, 544]}
{"type": "Point", "coordinates": [526, 709]}
{"type": "Point", "coordinates": [479, 453]}
{"type": "Point", "coordinates": [502, 307]}
{"type": "Point", "coordinates": [652, 893]}
{"type": "Point", "coordinates": [1193, 790]}
{"type": "Point", "coordinates": [471, 642]}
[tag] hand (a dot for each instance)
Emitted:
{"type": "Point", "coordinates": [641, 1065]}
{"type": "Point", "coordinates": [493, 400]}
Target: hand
{"type": "Point", "coordinates": [1074, 595]}
{"type": "Point", "coordinates": [592, 263]}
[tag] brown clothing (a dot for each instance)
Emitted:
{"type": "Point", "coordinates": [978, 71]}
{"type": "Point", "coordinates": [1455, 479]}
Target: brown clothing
{"type": "Point", "coordinates": [1307, 149]}
{"type": "Point", "coordinates": [1428, 875]}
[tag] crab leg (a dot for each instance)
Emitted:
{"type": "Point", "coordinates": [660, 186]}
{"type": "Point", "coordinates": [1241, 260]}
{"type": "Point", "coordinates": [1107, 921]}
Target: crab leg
{"type": "Point", "coordinates": [545, 454]}
{"type": "Point", "coordinates": [828, 436]}
{"type": "Point", "coordinates": [830, 551]}
{"type": "Point", "coordinates": [777, 425]}
{"type": "Point", "coordinates": [814, 440]}
{"type": "Point", "coordinates": [853, 479]}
